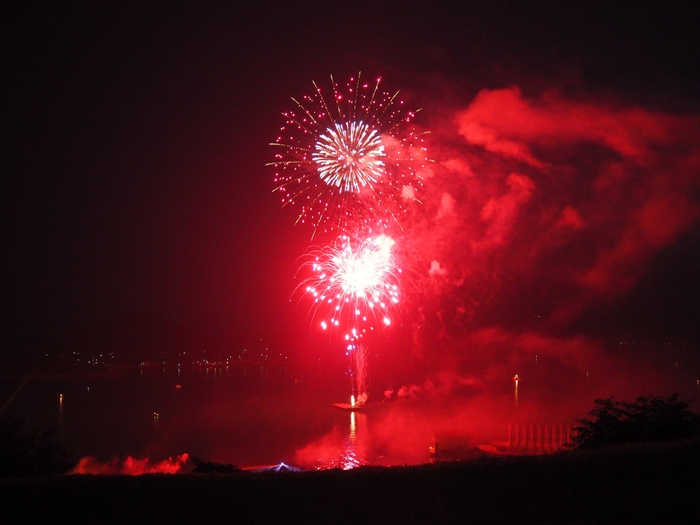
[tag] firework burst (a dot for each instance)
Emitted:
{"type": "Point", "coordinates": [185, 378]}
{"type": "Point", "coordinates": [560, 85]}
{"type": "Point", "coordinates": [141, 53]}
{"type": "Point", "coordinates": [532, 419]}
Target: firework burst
{"type": "Point", "coordinates": [353, 288]}
{"type": "Point", "coordinates": [349, 160]}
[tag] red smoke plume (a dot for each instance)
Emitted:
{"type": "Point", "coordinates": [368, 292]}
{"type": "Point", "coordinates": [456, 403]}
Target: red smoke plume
{"type": "Point", "coordinates": [130, 466]}
{"type": "Point", "coordinates": [543, 207]}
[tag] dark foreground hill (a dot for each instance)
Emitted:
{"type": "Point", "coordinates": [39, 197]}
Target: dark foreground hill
{"type": "Point", "coordinates": [640, 484]}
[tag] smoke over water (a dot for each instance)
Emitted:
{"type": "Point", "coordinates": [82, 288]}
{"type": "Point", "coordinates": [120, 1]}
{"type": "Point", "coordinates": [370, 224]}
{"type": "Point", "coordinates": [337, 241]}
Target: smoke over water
{"type": "Point", "coordinates": [130, 466]}
{"type": "Point", "coordinates": [547, 224]}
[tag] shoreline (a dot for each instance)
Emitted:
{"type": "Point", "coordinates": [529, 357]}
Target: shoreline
{"type": "Point", "coordinates": [651, 483]}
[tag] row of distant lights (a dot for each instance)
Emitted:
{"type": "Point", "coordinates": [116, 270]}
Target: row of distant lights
{"type": "Point", "coordinates": [98, 360]}
{"type": "Point", "coordinates": [93, 360]}
{"type": "Point", "coordinates": [230, 358]}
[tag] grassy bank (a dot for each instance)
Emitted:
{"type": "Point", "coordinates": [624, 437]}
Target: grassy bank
{"type": "Point", "coordinates": [641, 484]}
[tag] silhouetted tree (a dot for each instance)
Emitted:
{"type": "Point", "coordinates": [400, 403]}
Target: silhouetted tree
{"type": "Point", "coordinates": [28, 453]}
{"type": "Point", "coordinates": [652, 419]}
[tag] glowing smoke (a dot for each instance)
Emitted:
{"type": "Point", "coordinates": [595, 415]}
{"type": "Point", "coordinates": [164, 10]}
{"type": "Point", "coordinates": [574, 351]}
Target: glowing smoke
{"type": "Point", "coordinates": [130, 466]}
{"type": "Point", "coordinates": [544, 209]}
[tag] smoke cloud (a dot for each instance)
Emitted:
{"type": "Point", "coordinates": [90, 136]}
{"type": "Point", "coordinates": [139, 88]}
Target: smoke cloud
{"type": "Point", "coordinates": [130, 466]}
{"type": "Point", "coordinates": [544, 207]}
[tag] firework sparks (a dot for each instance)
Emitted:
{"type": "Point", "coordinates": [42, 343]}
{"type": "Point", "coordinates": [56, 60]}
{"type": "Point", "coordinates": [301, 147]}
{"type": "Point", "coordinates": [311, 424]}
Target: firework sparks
{"type": "Point", "coordinates": [352, 287]}
{"type": "Point", "coordinates": [350, 158]}
{"type": "Point", "coordinates": [358, 353]}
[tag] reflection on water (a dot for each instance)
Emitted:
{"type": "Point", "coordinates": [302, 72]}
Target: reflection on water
{"type": "Point", "coordinates": [241, 415]}
{"type": "Point", "coordinates": [344, 447]}
{"type": "Point", "coordinates": [253, 416]}
{"type": "Point", "coordinates": [352, 458]}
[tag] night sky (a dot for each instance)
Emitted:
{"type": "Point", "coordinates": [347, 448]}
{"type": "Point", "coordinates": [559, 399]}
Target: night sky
{"type": "Point", "coordinates": [563, 202]}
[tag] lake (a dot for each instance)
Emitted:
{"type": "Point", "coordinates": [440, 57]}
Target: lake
{"type": "Point", "coordinates": [263, 415]}
{"type": "Point", "coordinates": [248, 416]}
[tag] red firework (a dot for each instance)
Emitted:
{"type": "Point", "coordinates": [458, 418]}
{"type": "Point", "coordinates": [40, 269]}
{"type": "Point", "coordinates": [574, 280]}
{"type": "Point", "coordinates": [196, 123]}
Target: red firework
{"type": "Point", "coordinates": [353, 288]}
